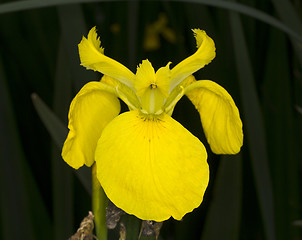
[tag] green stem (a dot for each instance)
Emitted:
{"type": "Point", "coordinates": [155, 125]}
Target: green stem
{"type": "Point", "coordinates": [99, 204]}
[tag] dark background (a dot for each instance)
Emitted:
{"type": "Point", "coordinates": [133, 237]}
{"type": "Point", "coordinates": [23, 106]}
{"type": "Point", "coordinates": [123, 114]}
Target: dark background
{"type": "Point", "coordinates": [253, 195]}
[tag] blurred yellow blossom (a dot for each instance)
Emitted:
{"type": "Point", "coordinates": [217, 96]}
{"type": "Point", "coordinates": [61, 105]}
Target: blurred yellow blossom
{"type": "Point", "coordinates": [153, 32]}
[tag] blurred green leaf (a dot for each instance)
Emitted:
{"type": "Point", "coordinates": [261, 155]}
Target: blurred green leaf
{"type": "Point", "coordinates": [33, 4]}
{"type": "Point", "coordinates": [249, 11]}
{"type": "Point", "coordinates": [289, 15]}
{"type": "Point", "coordinates": [73, 27]}
{"type": "Point", "coordinates": [252, 12]}
{"type": "Point", "coordinates": [132, 33]}
{"type": "Point", "coordinates": [63, 200]}
{"type": "Point", "coordinates": [254, 127]}
{"type": "Point", "coordinates": [278, 101]}
{"type": "Point", "coordinates": [58, 133]}
{"type": "Point", "coordinates": [55, 127]}
{"type": "Point", "coordinates": [23, 213]}
{"type": "Point", "coordinates": [223, 218]}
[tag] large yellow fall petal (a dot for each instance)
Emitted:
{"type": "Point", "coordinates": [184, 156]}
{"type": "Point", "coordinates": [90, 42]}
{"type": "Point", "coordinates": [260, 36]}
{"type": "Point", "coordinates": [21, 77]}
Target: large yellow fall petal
{"type": "Point", "coordinates": [204, 55]}
{"type": "Point", "coordinates": [90, 111]}
{"type": "Point", "coordinates": [92, 57]}
{"type": "Point", "coordinates": [219, 116]}
{"type": "Point", "coordinates": [151, 167]}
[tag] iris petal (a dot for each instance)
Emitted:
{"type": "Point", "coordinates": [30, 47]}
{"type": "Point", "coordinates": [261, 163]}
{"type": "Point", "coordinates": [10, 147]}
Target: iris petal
{"type": "Point", "coordinates": [204, 55]}
{"type": "Point", "coordinates": [219, 116]}
{"type": "Point", "coordinates": [90, 111]}
{"type": "Point", "coordinates": [92, 57]}
{"type": "Point", "coordinates": [152, 168]}
{"type": "Point", "coordinates": [145, 77]}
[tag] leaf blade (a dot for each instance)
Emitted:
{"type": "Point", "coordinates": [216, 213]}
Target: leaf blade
{"type": "Point", "coordinates": [58, 132]}
{"type": "Point", "coordinates": [21, 204]}
{"type": "Point", "coordinates": [254, 127]}
{"type": "Point", "coordinates": [223, 218]}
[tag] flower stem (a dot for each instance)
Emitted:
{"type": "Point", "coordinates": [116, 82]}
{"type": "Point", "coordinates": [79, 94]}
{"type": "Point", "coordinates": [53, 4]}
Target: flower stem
{"type": "Point", "coordinates": [99, 204]}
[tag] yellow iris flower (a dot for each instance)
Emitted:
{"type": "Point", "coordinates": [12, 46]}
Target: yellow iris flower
{"type": "Point", "coordinates": [148, 164]}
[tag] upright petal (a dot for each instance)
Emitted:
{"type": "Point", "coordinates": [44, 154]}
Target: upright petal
{"type": "Point", "coordinates": [92, 57]}
{"type": "Point", "coordinates": [204, 55]}
{"type": "Point", "coordinates": [163, 78]}
{"type": "Point", "coordinates": [90, 111]}
{"type": "Point", "coordinates": [150, 90]}
{"type": "Point", "coordinates": [145, 77]}
{"type": "Point", "coordinates": [152, 168]}
{"type": "Point", "coordinates": [219, 116]}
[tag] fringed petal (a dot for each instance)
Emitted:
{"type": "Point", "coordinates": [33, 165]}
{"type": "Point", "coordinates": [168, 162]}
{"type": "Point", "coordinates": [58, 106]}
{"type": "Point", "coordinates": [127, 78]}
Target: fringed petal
{"type": "Point", "coordinates": [204, 55]}
{"type": "Point", "coordinates": [92, 57]}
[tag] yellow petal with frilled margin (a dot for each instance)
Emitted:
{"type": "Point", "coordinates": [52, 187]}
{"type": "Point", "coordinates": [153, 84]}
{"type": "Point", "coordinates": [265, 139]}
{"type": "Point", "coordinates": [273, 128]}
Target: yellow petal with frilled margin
{"type": "Point", "coordinates": [219, 116]}
{"type": "Point", "coordinates": [92, 57]}
{"type": "Point", "coordinates": [204, 55]}
{"type": "Point", "coordinates": [152, 168]}
{"type": "Point", "coordinates": [90, 111]}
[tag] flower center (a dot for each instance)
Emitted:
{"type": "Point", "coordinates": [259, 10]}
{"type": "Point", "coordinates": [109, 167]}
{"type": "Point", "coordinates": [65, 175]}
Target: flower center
{"type": "Point", "coordinates": [153, 86]}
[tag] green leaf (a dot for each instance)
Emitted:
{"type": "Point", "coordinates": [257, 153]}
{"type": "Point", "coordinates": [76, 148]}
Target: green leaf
{"type": "Point", "coordinates": [254, 127]}
{"type": "Point", "coordinates": [289, 16]}
{"type": "Point", "coordinates": [63, 201]}
{"type": "Point", "coordinates": [278, 101]}
{"type": "Point", "coordinates": [33, 4]}
{"type": "Point", "coordinates": [22, 210]}
{"type": "Point", "coordinates": [132, 33]}
{"type": "Point", "coordinates": [252, 12]}
{"type": "Point", "coordinates": [249, 11]}
{"type": "Point", "coordinates": [73, 27]}
{"type": "Point", "coordinates": [58, 132]}
{"type": "Point", "coordinates": [55, 127]}
{"type": "Point", "coordinates": [223, 218]}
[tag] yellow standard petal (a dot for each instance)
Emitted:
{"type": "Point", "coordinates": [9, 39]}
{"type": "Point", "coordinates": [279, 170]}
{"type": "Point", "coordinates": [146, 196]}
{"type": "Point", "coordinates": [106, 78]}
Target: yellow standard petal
{"type": "Point", "coordinates": [90, 111]}
{"type": "Point", "coordinates": [92, 57]}
{"type": "Point", "coordinates": [151, 87]}
{"type": "Point", "coordinates": [145, 77]}
{"type": "Point", "coordinates": [204, 55]}
{"type": "Point", "coordinates": [219, 115]}
{"type": "Point", "coordinates": [152, 168]}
